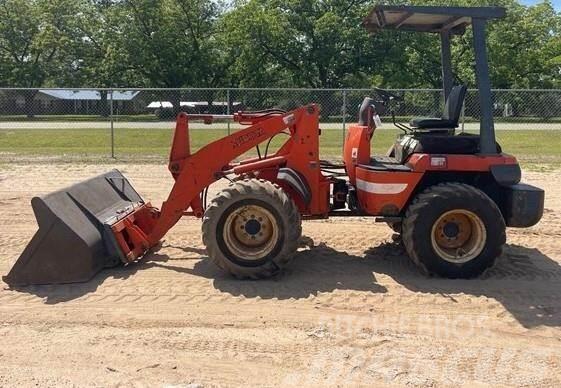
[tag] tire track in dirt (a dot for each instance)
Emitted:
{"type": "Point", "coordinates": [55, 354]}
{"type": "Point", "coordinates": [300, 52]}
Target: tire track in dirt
{"type": "Point", "coordinates": [176, 309]}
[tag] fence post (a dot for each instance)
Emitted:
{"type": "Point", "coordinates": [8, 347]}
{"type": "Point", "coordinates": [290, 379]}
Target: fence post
{"type": "Point", "coordinates": [228, 108]}
{"type": "Point", "coordinates": [112, 127]}
{"type": "Point", "coordinates": [463, 114]}
{"type": "Point", "coordinates": [344, 111]}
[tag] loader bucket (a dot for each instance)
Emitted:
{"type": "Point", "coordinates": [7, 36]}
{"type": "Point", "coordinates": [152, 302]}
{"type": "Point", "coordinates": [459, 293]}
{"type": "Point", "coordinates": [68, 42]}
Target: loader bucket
{"type": "Point", "coordinates": [75, 240]}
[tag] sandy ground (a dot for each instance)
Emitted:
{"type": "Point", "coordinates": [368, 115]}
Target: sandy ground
{"type": "Point", "coordinates": [351, 309]}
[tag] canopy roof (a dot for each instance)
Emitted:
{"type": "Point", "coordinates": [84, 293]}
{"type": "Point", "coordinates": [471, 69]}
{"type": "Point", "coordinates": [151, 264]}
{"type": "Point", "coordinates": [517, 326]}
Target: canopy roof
{"type": "Point", "coordinates": [426, 18]}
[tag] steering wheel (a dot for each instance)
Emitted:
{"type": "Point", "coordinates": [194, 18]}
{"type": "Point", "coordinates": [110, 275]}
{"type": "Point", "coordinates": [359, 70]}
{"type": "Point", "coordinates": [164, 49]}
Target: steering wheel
{"type": "Point", "coordinates": [387, 95]}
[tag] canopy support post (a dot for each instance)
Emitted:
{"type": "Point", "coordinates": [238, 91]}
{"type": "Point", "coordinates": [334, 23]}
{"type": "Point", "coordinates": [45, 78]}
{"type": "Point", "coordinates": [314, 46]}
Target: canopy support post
{"type": "Point", "coordinates": [445, 55]}
{"type": "Point", "coordinates": [486, 129]}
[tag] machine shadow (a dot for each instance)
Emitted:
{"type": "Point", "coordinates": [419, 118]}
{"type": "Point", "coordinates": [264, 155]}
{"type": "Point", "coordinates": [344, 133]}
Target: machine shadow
{"type": "Point", "coordinates": [314, 270]}
{"type": "Point", "coordinates": [524, 280]}
{"type": "Point", "coordinates": [58, 293]}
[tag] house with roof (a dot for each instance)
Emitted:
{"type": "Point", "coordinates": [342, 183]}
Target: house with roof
{"type": "Point", "coordinates": [88, 102]}
{"type": "Point", "coordinates": [70, 102]}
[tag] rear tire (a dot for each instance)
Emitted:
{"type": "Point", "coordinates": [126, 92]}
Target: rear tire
{"type": "Point", "coordinates": [251, 229]}
{"type": "Point", "coordinates": [453, 230]}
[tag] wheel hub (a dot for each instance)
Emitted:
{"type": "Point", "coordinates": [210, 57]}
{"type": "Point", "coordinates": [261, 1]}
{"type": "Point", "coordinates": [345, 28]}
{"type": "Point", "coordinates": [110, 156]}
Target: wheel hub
{"type": "Point", "coordinates": [252, 227]}
{"type": "Point", "coordinates": [451, 230]}
{"type": "Point", "coordinates": [458, 236]}
{"type": "Point", "coordinates": [251, 232]}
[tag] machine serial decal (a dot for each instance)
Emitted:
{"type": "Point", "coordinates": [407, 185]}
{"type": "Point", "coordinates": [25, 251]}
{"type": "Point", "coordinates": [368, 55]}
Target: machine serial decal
{"type": "Point", "coordinates": [380, 188]}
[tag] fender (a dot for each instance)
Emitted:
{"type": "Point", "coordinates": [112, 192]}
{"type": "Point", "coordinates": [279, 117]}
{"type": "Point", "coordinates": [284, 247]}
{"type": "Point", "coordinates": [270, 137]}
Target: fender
{"type": "Point", "coordinates": [297, 182]}
{"type": "Point", "coordinates": [506, 174]}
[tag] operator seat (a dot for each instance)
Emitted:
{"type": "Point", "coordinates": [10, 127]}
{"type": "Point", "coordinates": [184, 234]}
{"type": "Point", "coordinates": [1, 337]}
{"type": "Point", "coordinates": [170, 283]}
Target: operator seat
{"type": "Point", "coordinates": [450, 116]}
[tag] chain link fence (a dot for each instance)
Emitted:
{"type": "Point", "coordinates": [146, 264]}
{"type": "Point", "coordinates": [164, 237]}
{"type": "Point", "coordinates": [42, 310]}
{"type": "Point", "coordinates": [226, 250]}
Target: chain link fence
{"type": "Point", "coordinates": [118, 117]}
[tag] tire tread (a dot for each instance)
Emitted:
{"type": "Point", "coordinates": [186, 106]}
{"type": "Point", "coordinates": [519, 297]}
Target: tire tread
{"type": "Point", "coordinates": [268, 192]}
{"type": "Point", "coordinates": [443, 192]}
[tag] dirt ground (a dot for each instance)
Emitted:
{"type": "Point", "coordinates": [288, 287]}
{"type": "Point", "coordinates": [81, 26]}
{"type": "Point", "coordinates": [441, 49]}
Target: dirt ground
{"type": "Point", "coordinates": [351, 309]}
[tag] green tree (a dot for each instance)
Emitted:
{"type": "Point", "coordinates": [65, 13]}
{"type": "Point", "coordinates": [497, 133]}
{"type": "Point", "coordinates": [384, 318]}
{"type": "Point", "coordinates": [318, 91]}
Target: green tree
{"type": "Point", "coordinates": [172, 44]}
{"type": "Point", "coordinates": [100, 57]}
{"type": "Point", "coordinates": [313, 43]}
{"type": "Point", "coordinates": [34, 36]}
{"type": "Point", "coordinates": [257, 43]}
{"type": "Point", "coordinates": [318, 44]}
{"type": "Point", "coordinates": [521, 47]}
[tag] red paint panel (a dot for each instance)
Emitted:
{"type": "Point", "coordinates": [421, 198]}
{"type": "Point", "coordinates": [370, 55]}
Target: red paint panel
{"type": "Point", "coordinates": [357, 148]}
{"type": "Point", "coordinates": [421, 162]}
{"type": "Point", "coordinates": [384, 192]}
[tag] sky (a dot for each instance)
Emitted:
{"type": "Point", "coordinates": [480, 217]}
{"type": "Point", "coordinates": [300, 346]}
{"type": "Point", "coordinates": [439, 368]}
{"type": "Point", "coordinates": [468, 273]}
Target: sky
{"type": "Point", "coordinates": [556, 3]}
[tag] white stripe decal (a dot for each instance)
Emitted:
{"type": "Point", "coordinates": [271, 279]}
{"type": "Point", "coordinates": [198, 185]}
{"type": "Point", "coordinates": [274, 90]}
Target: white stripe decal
{"type": "Point", "coordinates": [380, 188]}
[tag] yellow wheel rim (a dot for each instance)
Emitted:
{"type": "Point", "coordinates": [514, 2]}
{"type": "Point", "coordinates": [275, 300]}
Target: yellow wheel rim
{"type": "Point", "coordinates": [458, 236]}
{"type": "Point", "coordinates": [251, 232]}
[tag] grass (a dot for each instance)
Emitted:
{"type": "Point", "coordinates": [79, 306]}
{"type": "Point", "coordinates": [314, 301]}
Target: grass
{"type": "Point", "coordinates": [71, 118]}
{"type": "Point", "coordinates": [531, 147]}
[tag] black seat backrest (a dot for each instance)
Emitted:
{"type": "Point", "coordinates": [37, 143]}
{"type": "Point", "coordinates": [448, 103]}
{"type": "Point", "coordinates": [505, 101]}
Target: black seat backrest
{"type": "Point", "coordinates": [453, 107]}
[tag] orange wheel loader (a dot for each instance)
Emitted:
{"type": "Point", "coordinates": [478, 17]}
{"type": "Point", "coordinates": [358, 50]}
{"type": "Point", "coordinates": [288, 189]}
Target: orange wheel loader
{"type": "Point", "coordinates": [449, 195]}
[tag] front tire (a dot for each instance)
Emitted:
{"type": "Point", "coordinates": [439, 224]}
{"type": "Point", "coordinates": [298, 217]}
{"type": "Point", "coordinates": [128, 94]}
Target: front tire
{"type": "Point", "coordinates": [453, 230]}
{"type": "Point", "coordinates": [251, 229]}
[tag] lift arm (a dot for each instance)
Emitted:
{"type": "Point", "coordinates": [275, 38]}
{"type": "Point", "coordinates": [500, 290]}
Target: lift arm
{"type": "Point", "coordinates": [194, 172]}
